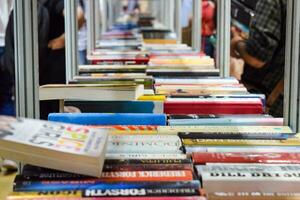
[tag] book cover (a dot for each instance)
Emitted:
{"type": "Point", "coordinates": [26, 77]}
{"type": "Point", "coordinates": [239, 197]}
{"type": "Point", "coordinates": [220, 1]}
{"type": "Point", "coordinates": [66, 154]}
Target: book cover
{"type": "Point", "coordinates": [110, 119]}
{"type": "Point", "coordinates": [74, 148]}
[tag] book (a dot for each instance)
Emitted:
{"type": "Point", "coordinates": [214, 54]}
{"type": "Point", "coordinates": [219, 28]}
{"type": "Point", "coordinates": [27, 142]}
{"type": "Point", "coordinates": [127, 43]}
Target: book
{"type": "Point", "coordinates": [112, 176]}
{"type": "Point", "coordinates": [243, 149]}
{"type": "Point", "coordinates": [91, 92]}
{"type": "Point", "coordinates": [148, 164]}
{"type": "Point", "coordinates": [54, 145]}
{"type": "Point", "coordinates": [238, 142]}
{"type": "Point", "coordinates": [174, 130]}
{"type": "Point", "coordinates": [182, 72]}
{"type": "Point", "coordinates": [130, 130]}
{"type": "Point", "coordinates": [228, 121]}
{"type": "Point", "coordinates": [112, 68]}
{"type": "Point", "coordinates": [257, 195]}
{"type": "Point", "coordinates": [133, 156]}
{"type": "Point", "coordinates": [75, 196]}
{"type": "Point", "coordinates": [102, 189]}
{"type": "Point", "coordinates": [205, 80]}
{"type": "Point", "coordinates": [110, 119]}
{"type": "Point", "coordinates": [236, 136]}
{"type": "Point", "coordinates": [213, 106]}
{"type": "Point", "coordinates": [246, 157]}
{"type": "Point", "coordinates": [249, 178]}
{"type": "Point", "coordinates": [138, 106]}
{"type": "Point", "coordinates": [154, 144]}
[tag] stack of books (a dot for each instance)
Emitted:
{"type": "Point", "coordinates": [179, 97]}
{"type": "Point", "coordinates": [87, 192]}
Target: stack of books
{"type": "Point", "coordinates": [204, 137]}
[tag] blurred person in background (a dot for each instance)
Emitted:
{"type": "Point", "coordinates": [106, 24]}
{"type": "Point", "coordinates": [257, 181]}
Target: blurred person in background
{"type": "Point", "coordinates": [6, 94]}
{"type": "Point", "coordinates": [82, 37]}
{"type": "Point", "coordinates": [208, 26]}
{"type": "Point", "coordinates": [264, 53]}
{"type": "Point", "coordinates": [5, 9]}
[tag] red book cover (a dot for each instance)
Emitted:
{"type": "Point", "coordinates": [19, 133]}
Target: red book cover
{"type": "Point", "coordinates": [267, 158]}
{"type": "Point", "coordinates": [175, 175]}
{"type": "Point", "coordinates": [216, 108]}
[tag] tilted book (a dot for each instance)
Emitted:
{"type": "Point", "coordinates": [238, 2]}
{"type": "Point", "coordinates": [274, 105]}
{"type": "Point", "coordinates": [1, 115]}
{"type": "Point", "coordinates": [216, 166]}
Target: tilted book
{"type": "Point", "coordinates": [58, 146]}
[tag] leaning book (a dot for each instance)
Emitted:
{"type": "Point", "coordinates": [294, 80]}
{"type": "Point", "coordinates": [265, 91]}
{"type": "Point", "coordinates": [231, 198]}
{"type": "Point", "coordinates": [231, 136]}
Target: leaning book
{"type": "Point", "coordinates": [64, 147]}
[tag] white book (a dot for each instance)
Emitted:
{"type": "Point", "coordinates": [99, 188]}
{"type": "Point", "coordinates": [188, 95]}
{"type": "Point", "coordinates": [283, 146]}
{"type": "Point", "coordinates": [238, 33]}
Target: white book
{"type": "Point", "coordinates": [250, 178]}
{"type": "Point", "coordinates": [208, 80]}
{"type": "Point", "coordinates": [156, 144]}
{"type": "Point", "coordinates": [92, 92]}
{"type": "Point", "coordinates": [59, 146]}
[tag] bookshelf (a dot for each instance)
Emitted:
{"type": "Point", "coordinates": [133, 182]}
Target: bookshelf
{"type": "Point", "coordinates": [27, 105]}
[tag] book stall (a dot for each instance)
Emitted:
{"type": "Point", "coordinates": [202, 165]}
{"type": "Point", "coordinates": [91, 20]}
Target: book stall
{"type": "Point", "coordinates": [158, 119]}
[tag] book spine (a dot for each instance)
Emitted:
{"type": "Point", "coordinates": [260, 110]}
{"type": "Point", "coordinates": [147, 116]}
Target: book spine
{"type": "Point", "coordinates": [270, 158]}
{"type": "Point", "coordinates": [126, 176]}
{"type": "Point", "coordinates": [239, 136]}
{"type": "Point", "coordinates": [253, 195]}
{"type": "Point", "coordinates": [129, 156]}
{"type": "Point", "coordinates": [109, 119]}
{"type": "Point", "coordinates": [147, 167]}
{"type": "Point", "coordinates": [53, 186]}
{"type": "Point", "coordinates": [232, 142]}
{"type": "Point", "coordinates": [148, 161]}
{"type": "Point", "coordinates": [144, 146]}
{"type": "Point", "coordinates": [34, 196]}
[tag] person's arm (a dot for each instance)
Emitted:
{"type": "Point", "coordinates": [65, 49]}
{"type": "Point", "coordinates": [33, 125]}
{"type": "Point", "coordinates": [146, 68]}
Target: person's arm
{"type": "Point", "coordinates": [265, 35]}
{"type": "Point", "coordinates": [59, 42]}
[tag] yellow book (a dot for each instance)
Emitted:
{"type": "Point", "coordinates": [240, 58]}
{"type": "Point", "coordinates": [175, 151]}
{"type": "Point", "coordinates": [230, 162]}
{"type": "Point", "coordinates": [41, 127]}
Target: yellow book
{"type": "Point", "coordinates": [160, 41]}
{"type": "Point", "coordinates": [232, 142]}
{"type": "Point", "coordinates": [224, 129]}
{"type": "Point", "coordinates": [152, 98]}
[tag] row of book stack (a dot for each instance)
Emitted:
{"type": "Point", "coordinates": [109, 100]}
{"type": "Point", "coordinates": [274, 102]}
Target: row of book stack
{"type": "Point", "coordinates": [160, 124]}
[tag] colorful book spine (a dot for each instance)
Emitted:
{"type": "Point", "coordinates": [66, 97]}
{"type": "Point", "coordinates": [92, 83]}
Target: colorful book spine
{"type": "Point", "coordinates": [92, 185]}
{"type": "Point", "coordinates": [232, 142]}
{"type": "Point", "coordinates": [240, 136]}
{"type": "Point", "coordinates": [109, 119]}
{"type": "Point", "coordinates": [37, 196]}
{"type": "Point", "coordinates": [267, 158]}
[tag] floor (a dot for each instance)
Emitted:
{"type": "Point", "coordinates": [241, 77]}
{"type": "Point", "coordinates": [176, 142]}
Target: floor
{"type": "Point", "coordinates": [6, 184]}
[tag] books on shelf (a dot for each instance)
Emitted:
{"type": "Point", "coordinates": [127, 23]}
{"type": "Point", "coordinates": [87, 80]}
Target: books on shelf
{"type": "Point", "coordinates": [53, 145]}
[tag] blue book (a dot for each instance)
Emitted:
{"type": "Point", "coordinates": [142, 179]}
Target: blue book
{"type": "Point", "coordinates": [109, 119]}
{"type": "Point", "coordinates": [58, 185]}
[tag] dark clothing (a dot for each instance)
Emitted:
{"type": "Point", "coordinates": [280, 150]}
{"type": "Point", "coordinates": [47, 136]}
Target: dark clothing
{"type": "Point", "coordinates": [267, 43]}
{"type": "Point", "coordinates": [54, 69]}
{"type": "Point", "coordinates": [57, 21]}
{"type": "Point", "coordinates": [7, 61]}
